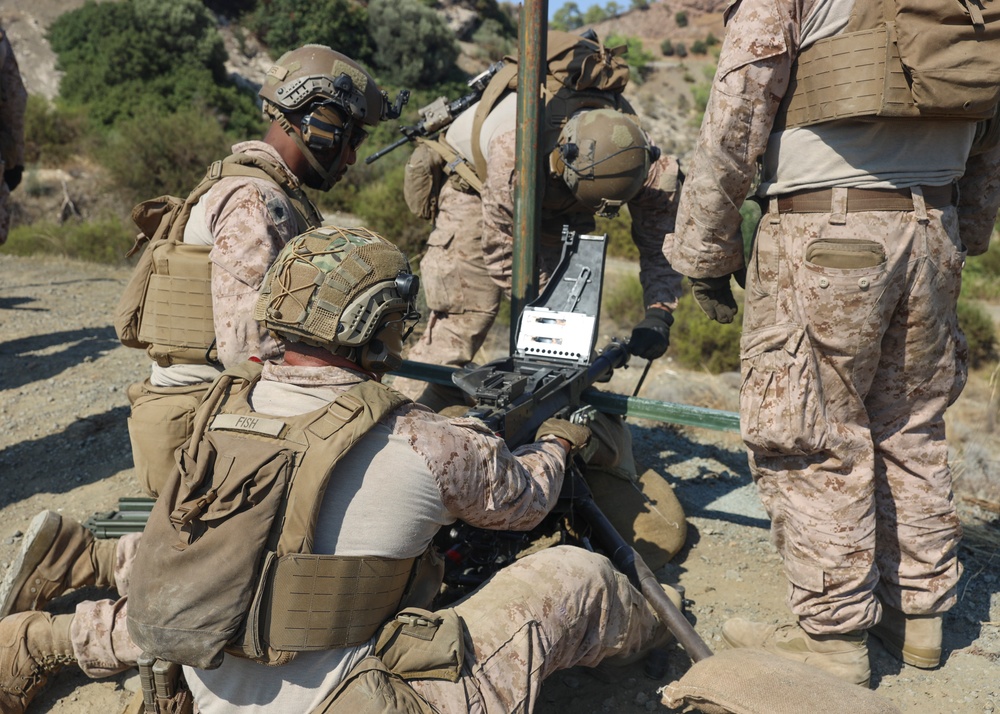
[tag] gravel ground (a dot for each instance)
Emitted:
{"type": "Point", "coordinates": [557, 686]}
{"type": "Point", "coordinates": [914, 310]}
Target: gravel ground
{"type": "Point", "coordinates": [65, 447]}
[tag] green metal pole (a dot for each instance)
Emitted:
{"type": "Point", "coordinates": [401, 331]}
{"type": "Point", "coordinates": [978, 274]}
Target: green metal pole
{"type": "Point", "coordinates": [527, 196]}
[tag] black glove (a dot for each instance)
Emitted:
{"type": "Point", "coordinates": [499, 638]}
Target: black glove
{"type": "Point", "coordinates": [12, 177]}
{"type": "Point", "coordinates": [651, 337]}
{"type": "Point", "coordinates": [576, 434]}
{"type": "Point", "coordinates": [715, 296]}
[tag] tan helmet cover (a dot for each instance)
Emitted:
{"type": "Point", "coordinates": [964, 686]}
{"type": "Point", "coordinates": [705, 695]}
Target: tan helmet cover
{"type": "Point", "coordinates": [332, 288]}
{"type": "Point", "coordinates": [603, 157]}
{"type": "Point", "coordinates": [309, 75]}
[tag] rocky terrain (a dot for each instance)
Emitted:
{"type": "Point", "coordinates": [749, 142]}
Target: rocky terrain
{"type": "Point", "coordinates": [64, 444]}
{"type": "Point", "coordinates": [65, 447]}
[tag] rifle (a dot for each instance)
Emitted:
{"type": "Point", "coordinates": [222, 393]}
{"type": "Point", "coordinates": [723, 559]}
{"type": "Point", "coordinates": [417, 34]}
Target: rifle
{"type": "Point", "coordinates": [440, 113]}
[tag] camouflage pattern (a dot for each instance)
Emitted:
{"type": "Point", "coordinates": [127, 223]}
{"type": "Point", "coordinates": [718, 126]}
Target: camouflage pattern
{"type": "Point", "coordinates": [979, 191]}
{"type": "Point", "coordinates": [461, 299]}
{"type": "Point", "coordinates": [99, 634]}
{"type": "Point", "coordinates": [250, 219]}
{"type": "Point", "coordinates": [847, 371]}
{"type": "Point", "coordinates": [652, 210]}
{"type": "Point", "coordinates": [553, 610]}
{"type": "Point", "coordinates": [13, 100]}
{"type": "Point", "coordinates": [842, 408]}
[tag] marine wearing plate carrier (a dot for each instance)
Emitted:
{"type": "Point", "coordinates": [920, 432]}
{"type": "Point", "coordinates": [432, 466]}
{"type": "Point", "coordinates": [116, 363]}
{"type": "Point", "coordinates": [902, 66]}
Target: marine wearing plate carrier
{"type": "Point", "coordinates": [13, 101]}
{"type": "Point", "coordinates": [597, 159]}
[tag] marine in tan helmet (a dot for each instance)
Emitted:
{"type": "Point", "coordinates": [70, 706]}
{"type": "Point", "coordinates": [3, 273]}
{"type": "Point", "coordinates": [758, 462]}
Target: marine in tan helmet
{"type": "Point", "coordinates": [597, 160]}
{"type": "Point", "coordinates": [331, 294]}
{"type": "Point", "coordinates": [247, 207]}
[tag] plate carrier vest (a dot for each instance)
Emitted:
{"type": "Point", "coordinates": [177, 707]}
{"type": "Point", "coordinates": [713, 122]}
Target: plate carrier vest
{"type": "Point", "coordinates": [227, 558]}
{"type": "Point", "coordinates": [167, 306]}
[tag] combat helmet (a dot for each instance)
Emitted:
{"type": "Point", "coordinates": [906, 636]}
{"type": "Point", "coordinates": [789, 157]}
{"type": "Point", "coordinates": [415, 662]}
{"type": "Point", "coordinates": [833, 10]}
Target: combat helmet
{"type": "Point", "coordinates": [336, 288]}
{"type": "Point", "coordinates": [335, 97]}
{"type": "Point", "coordinates": [603, 158]}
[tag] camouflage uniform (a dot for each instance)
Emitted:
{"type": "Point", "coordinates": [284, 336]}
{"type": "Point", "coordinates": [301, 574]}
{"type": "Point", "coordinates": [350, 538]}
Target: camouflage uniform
{"type": "Point", "coordinates": [847, 371]}
{"type": "Point", "coordinates": [247, 221]}
{"type": "Point", "coordinates": [412, 474]}
{"type": "Point", "coordinates": [13, 99]}
{"type": "Point", "coordinates": [467, 246]}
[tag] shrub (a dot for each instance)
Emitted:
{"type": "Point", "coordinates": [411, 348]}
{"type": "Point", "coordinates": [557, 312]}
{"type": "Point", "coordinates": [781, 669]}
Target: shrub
{"type": "Point", "coordinates": [619, 230]}
{"type": "Point", "coordinates": [412, 43]}
{"type": "Point", "coordinates": [567, 18]}
{"type": "Point", "coordinates": [711, 40]}
{"type": "Point", "coordinates": [697, 342]}
{"type": "Point", "coordinates": [681, 18]}
{"type": "Point", "coordinates": [698, 47]}
{"type": "Point", "coordinates": [979, 332]}
{"type": "Point", "coordinates": [667, 48]}
{"type": "Point", "coordinates": [595, 14]}
{"type": "Point", "coordinates": [681, 49]}
{"type": "Point", "coordinates": [381, 207]}
{"type": "Point", "coordinates": [154, 154]}
{"type": "Point", "coordinates": [492, 40]}
{"type": "Point", "coordinates": [104, 240]}
{"type": "Point", "coordinates": [124, 57]}
{"type": "Point", "coordinates": [287, 24]}
{"type": "Point", "coordinates": [640, 4]}
{"type": "Point", "coordinates": [53, 133]}
{"type": "Point", "coordinates": [637, 56]}
{"type": "Point", "coordinates": [622, 301]}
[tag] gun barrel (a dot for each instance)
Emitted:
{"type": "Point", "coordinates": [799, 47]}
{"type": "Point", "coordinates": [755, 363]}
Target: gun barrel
{"type": "Point", "coordinates": [391, 147]}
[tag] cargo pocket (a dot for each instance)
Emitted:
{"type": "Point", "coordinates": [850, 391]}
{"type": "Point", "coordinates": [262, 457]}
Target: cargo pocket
{"type": "Point", "coordinates": [804, 575]}
{"type": "Point", "coordinates": [781, 402]}
{"type": "Point", "coordinates": [438, 275]}
{"type": "Point", "coordinates": [370, 688]}
{"type": "Point", "coordinates": [158, 424]}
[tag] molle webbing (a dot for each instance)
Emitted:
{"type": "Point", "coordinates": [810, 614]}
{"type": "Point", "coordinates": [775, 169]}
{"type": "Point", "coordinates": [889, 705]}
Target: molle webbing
{"type": "Point", "coordinates": [904, 59]}
{"type": "Point", "coordinates": [322, 602]}
{"type": "Point", "coordinates": [308, 601]}
{"type": "Point", "coordinates": [177, 320]}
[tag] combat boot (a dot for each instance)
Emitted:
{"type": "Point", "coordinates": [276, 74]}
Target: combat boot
{"type": "Point", "coordinates": [57, 555]}
{"type": "Point", "coordinates": [33, 645]}
{"type": "Point", "coordinates": [915, 639]}
{"type": "Point", "coordinates": [845, 656]}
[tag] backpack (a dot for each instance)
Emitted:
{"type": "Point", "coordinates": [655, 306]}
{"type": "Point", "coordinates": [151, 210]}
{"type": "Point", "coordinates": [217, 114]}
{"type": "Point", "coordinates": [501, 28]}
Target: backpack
{"type": "Point", "coordinates": [580, 73]}
{"type": "Point", "coordinates": [226, 563]}
{"type": "Point", "coordinates": [167, 301]}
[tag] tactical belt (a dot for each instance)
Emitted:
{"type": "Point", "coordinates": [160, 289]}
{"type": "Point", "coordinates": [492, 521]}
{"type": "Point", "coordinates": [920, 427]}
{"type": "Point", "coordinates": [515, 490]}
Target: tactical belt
{"type": "Point", "coordinates": [865, 199]}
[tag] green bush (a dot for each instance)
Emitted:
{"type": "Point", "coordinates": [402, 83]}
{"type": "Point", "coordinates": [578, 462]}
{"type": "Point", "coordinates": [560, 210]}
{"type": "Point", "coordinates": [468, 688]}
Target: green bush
{"type": "Point", "coordinates": [52, 133]}
{"type": "Point", "coordinates": [667, 48]}
{"type": "Point", "coordinates": [594, 14]}
{"type": "Point", "coordinates": [380, 205]}
{"type": "Point", "coordinates": [619, 230]}
{"type": "Point", "coordinates": [981, 277]}
{"type": "Point", "coordinates": [412, 43]}
{"type": "Point", "coordinates": [979, 332]}
{"type": "Point", "coordinates": [103, 240]}
{"type": "Point", "coordinates": [124, 57]}
{"type": "Point", "coordinates": [567, 18]}
{"type": "Point", "coordinates": [153, 154]}
{"type": "Point", "coordinates": [622, 301]}
{"type": "Point", "coordinates": [638, 57]}
{"type": "Point", "coordinates": [681, 49]}
{"type": "Point", "coordinates": [681, 18]}
{"type": "Point", "coordinates": [493, 41]}
{"type": "Point", "coordinates": [697, 342]}
{"type": "Point", "coordinates": [286, 24]}
{"type": "Point", "coordinates": [698, 47]}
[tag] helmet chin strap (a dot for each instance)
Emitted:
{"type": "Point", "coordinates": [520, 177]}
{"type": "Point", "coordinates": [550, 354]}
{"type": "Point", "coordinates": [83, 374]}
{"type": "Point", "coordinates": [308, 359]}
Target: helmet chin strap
{"type": "Point", "coordinates": [329, 176]}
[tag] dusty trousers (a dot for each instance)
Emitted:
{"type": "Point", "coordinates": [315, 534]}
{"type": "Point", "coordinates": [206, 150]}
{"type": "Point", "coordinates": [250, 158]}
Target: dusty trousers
{"type": "Point", "coordinates": [552, 610]}
{"type": "Point", "coordinates": [461, 298]}
{"type": "Point", "coordinates": [851, 353]}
